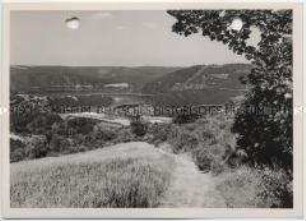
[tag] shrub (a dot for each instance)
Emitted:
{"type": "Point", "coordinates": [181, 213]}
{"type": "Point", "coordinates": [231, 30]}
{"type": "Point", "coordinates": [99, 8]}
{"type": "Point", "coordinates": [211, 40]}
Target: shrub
{"type": "Point", "coordinates": [184, 118]}
{"type": "Point", "coordinates": [158, 133]}
{"type": "Point", "coordinates": [124, 135]}
{"type": "Point", "coordinates": [59, 145]}
{"type": "Point", "coordinates": [275, 145]}
{"type": "Point", "coordinates": [247, 187]}
{"type": "Point", "coordinates": [30, 114]}
{"type": "Point", "coordinates": [42, 123]}
{"type": "Point", "coordinates": [100, 136]}
{"type": "Point", "coordinates": [29, 148]}
{"type": "Point", "coordinates": [208, 139]}
{"type": "Point", "coordinates": [209, 158]}
{"type": "Point", "coordinates": [81, 125]}
{"type": "Point", "coordinates": [102, 132]}
{"type": "Point", "coordinates": [37, 148]}
{"type": "Point", "coordinates": [17, 150]}
{"type": "Point", "coordinates": [69, 137]}
{"type": "Point", "coordinates": [138, 128]}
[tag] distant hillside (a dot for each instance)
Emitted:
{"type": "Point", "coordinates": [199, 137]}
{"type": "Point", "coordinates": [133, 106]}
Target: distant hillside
{"type": "Point", "coordinates": [200, 77]}
{"type": "Point", "coordinates": [200, 84]}
{"type": "Point", "coordinates": [25, 78]}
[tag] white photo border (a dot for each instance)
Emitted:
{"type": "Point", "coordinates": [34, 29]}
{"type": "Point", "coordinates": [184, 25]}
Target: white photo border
{"type": "Point", "coordinates": [194, 213]}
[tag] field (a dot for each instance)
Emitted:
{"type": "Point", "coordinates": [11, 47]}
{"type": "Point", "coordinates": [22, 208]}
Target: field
{"type": "Point", "coordinates": [139, 175]}
{"type": "Point", "coordinates": [131, 175]}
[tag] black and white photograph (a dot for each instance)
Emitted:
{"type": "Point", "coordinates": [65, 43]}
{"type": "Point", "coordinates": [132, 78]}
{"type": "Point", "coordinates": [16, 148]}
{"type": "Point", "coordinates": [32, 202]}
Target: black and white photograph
{"type": "Point", "coordinates": [168, 108]}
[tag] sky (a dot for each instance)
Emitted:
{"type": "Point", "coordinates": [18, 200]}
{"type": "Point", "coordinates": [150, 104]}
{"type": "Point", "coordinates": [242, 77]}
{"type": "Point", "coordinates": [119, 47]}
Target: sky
{"type": "Point", "coordinates": [109, 38]}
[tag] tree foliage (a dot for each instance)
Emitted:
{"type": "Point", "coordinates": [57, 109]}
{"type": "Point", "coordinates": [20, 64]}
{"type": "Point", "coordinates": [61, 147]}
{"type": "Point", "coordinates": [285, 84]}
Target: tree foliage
{"type": "Point", "coordinates": [266, 135]}
{"type": "Point", "coordinates": [138, 127]}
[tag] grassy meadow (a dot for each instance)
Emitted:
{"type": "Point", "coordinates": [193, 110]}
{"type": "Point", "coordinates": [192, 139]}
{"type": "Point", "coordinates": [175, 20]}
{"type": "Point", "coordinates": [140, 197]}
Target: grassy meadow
{"type": "Point", "coordinates": [130, 176]}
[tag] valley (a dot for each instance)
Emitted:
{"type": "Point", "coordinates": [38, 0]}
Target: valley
{"type": "Point", "coordinates": [130, 137]}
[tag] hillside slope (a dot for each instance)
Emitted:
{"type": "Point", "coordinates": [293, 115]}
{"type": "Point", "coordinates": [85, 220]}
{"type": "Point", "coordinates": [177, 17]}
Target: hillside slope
{"type": "Point", "coordinates": [198, 85]}
{"type": "Point", "coordinates": [150, 79]}
{"type": "Point", "coordinates": [125, 175]}
{"type": "Point", "coordinates": [23, 78]}
{"type": "Point", "coordinates": [107, 177]}
{"type": "Point", "coordinates": [175, 86]}
{"type": "Point", "coordinates": [200, 77]}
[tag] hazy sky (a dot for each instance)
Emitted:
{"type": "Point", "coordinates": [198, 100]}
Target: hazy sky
{"type": "Point", "coordinates": [111, 38]}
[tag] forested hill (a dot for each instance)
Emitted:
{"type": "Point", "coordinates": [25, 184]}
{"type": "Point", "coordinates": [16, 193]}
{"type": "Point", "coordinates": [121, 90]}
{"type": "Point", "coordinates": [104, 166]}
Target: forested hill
{"type": "Point", "coordinates": [27, 77]}
{"type": "Point", "coordinates": [148, 80]}
{"type": "Point", "coordinates": [201, 77]}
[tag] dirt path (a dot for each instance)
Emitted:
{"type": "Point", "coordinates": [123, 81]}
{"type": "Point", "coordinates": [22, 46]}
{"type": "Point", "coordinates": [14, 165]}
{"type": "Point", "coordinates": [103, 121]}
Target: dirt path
{"type": "Point", "coordinates": [191, 188]}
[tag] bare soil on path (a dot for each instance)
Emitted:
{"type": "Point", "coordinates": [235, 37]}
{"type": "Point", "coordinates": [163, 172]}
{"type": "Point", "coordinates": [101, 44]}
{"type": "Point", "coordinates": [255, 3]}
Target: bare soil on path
{"type": "Point", "coordinates": [191, 188]}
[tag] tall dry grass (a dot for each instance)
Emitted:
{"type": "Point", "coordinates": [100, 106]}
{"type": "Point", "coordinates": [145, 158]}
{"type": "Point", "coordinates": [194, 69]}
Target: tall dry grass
{"type": "Point", "coordinates": [112, 183]}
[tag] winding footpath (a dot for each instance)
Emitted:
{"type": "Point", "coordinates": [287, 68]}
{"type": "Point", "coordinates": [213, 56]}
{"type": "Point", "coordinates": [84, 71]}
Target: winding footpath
{"type": "Point", "coordinates": [190, 188]}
